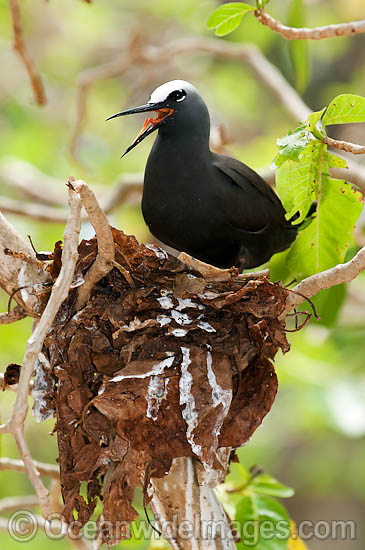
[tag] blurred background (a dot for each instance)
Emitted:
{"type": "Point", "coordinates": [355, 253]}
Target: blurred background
{"type": "Point", "coordinates": [313, 439]}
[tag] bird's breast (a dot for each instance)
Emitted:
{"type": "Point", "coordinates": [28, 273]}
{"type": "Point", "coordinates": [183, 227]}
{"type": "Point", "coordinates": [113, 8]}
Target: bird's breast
{"type": "Point", "coordinates": [177, 198]}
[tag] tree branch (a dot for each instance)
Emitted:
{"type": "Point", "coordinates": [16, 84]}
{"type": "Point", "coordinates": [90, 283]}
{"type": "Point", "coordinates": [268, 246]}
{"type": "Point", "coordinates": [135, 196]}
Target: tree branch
{"type": "Point", "coordinates": [16, 273]}
{"type": "Point", "coordinates": [32, 183]}
{"type": "Point", "coordinates": [20, 48]}
{"type": "Point", "coordinates": [317, 33]}
{"type": "Point", "coordinates": [11, 504]}
{"type": "Point", "coordinates": [342, 273]}
{"type": "Point", "coordinates": [15, 315]}
{"type": "Point", "coordinates": [48, 470]}
{"type": "Point", "coordinates": [249, 55]}
{"type": "Point", "coordinates": [106, 252]}
{"type": "Point", "coordinates": [59, 292]}
{"type": "Point", "coordinates": [345, 146]}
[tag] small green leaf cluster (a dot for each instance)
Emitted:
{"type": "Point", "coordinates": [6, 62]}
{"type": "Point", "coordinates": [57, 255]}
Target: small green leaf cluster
{"type": "Point", "coordinates": [302, 177]}
{"type": "Point", "coordinates": [259, 519]}
{"type": "Point", "coordinates": [228, 17]}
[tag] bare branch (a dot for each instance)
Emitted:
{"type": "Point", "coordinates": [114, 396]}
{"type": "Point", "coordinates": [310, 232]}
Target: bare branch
{"type": "Point", "coordinates": [78, 542]}
{"type": "Point", "coordinates": [16, 315]}
{"type": "Point", "coordinates": [48, 470]}
{"type": "Point", "coordinates": [34, 346]}
{"type": "Point", "coordinates": [16, 273]}
{"type": "Point", "coordinates": [12, 504]}
{"type": "Point", "coordinates": [20, 48]}
{"type": "Point", "coordinates": [31, 210]}
{"type": "Point", "coordinates": [88, 77]}
{"type": "Point", "coordinates": [32, 183]}
{"type": "Point", "coordinates": [106, 252]}
{"type": "Point", "coordinates": [129, 189]}
{"type": "Point", "coordinates": [317, 33]}
{"type": "Point", "coordinates": [345, 146]}
{"type": "Point", "coordinates": [146, 56]}
{"type": "Point", "coordinates": [342, 273]}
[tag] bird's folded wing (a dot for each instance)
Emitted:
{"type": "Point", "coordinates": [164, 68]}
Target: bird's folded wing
{"type": "Point", "coordinates": [259, 206]}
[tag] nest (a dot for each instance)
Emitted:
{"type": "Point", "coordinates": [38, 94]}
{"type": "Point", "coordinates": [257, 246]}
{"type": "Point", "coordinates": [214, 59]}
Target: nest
{"type": "Point", "coordinates": [160, 363]}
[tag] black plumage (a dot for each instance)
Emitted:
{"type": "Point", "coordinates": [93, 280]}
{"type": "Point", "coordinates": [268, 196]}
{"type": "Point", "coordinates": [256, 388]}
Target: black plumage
{"type": "Point", "coordinates": [211, 206]}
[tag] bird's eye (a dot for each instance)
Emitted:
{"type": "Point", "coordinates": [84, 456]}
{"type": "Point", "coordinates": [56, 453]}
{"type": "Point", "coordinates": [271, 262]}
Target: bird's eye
{"type": "Point", "coordinates": [177, 95]}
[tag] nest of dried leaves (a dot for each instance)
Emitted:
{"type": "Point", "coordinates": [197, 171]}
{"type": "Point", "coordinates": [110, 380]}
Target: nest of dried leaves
{"type": "Point", "coordinates": [159, 364]}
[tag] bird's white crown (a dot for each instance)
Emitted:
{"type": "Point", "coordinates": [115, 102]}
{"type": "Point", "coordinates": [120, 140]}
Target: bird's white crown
{"type": "Point", "coordinates": [162, 92]}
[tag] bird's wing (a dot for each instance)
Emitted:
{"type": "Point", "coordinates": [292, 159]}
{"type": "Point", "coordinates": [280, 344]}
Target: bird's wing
{"type": "Point", "coordinates": [243, 175]}
{"type": "Point", "coordinates": [249, 202]}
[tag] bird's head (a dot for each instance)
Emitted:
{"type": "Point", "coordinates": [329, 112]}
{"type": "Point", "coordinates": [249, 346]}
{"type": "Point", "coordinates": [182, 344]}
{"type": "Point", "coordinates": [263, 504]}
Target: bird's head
{"type": "Point", "coordinates": [179, 107]}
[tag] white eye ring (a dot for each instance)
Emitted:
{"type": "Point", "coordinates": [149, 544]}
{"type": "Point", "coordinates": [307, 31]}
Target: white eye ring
{"type": "Point", "coordinates": [177, 92]}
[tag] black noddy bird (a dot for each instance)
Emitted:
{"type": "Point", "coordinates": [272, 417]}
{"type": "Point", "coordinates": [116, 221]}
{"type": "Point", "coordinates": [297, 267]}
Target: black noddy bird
{"type": "Point", "coordinates": [211, 206]}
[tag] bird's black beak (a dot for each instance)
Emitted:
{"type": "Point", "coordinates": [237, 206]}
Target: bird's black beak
{"type": "Point", "coordinates": [151, 124]}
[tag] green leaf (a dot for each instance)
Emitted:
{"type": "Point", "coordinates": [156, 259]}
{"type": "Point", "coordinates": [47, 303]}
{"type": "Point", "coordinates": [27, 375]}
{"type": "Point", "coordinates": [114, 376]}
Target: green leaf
{"type": "Point", "coordinates": [231, 491]}
{"type": "Point", "coordinates": [268, 485]}
{"type": "Point", "coordinates": [261, 3]}
{"type": "Point", "coordinates": [324, 243]}
{"type": "Point", "coordinates": [294, 181]}
{"type": "Point", "coordinates": [226, 18]}
{"type": "Point", "coordinates": [265, 524]}
{"type": "Point", "coordinates": [246, 509]}
{"type": "Point", "coordinates": [335, 162]}
{"type": "Point", "coordinates": [271, 508]}
{"type": "Point", "coordinates": [345, 108]}
{"type": "Point", "coordinates": [291, 145]}
{"type": "Point", "coordinates": [238, 475]}
{"type": "Point", "coordinates": [313, 120]}
{"type": "Point", "coordinates": [299, 49]}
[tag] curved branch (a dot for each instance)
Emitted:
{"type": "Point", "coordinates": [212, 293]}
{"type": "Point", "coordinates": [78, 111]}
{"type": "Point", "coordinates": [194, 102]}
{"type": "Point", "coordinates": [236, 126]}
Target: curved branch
{"type": "Point", "coordinates": [317, 33]}
{"type": "Point", "coordinates": [342, 273]}
{"type": "Point", "coordinates": [19, 47]}
{"type": "Point", "coordinates": [106, 251]}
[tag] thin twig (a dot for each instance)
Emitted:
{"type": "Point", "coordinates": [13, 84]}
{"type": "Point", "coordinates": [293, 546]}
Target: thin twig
{"type": "Point", "coordinates": [20, 48]}
{"type": "Point", "coordinates": [32, 182]}
{"type": "Point", "coordinates": [34, 346]}
{"type": "Point", "coordinates": [342, 273]}
{"type": "Point", "coordinates": [38, 212]}
{"type": "Point", "coordinates": [11, 504]}
{"type": "Point", "coordinates": [317, 33]}
{"type": "Point", "coordinates": [78, 542]}
{"type": "Point", "coordinates": [106, 252]}
{"type": "Point", "coordinates": [48, 470]}
{"type": "Point", "coordinates": [345, 146]}
{"type": "Point", "coordinates": [249, 55]}
{"type": "Point", "coordinates": [15, 315]}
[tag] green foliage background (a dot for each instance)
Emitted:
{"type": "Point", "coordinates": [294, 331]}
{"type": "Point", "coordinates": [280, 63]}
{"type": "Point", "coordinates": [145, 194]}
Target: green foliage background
{"type": "Point", "coordinates": [313, 438]}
